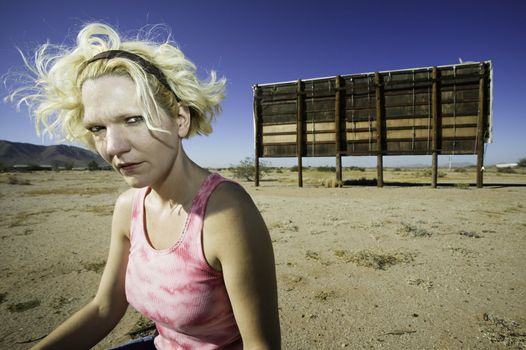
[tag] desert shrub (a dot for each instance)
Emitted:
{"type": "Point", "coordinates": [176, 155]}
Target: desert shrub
{"type": "Point", "coordinates": [462, 186]}
{"type": "Point", "coordinates": [429, 173]}
{"type": "Point", "coordinates": [294, 168]}
{"type": "Point", "coordinates": [279, 171]}
{"type": "Point", "coordinates": [13, 180]}
{"type": "Point", "coordinates": [522, 163]}
{"type": "Point", "coordinates": [331, 183]}
{"type": "Point", "coordinates": [356, 168]}
{"type": "Point", "coordinates": [24, 306]}
{"type": "Point", "coordinates": [409, 230]}
{"type": "Point", "coordinates": [378, 260]}
{"type": "Point", "coordinates": [397, 169]}
{"type": "Point", "coordinates": [246, 169]}
{"type": "Point", "coordinates": [92, 166]}
{"type": "Point", "coordinates": [361, 182]}
{"type": "Point", "coordinates": [326, 169]}
{"type": "Point", "coordinates": [460, 170]}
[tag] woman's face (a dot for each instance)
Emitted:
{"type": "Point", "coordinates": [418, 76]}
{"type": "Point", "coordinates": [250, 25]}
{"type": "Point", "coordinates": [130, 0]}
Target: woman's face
{"type": "Point", "coordinates": [143, 157]}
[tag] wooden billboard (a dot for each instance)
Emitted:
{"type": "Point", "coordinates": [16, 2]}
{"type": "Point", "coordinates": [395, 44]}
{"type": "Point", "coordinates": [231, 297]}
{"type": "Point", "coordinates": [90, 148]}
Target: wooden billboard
{"type": "Point", "coordinates": [419, 111]}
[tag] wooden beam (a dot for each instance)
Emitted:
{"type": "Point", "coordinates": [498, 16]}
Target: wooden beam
{"type": "Point", "coordinates": [338, 129]}
{"type": "Point", "coordinates": [258, 138]}
{"type": "Point", "coordinates": [481, 126]}
{"type": "Point", "coordinates": [434, 112]}
{"type": "Point", "coordinates": [379, 129]}
{"type": "Point", "coordinates": [299, 130]}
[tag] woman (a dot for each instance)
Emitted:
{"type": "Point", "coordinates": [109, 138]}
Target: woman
{"type": "Point", "coordinates": [188, 249]}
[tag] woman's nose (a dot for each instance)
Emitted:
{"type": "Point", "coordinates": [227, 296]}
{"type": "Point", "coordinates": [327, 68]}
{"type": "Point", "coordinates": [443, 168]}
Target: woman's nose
{"type": "Point", "coordinates": [117, 142]}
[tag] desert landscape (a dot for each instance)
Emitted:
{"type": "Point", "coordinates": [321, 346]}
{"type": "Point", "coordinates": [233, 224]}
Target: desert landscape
{"type": "Point", "coordinates": [405, 266]}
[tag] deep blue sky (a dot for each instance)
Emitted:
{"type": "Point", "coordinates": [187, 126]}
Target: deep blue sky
{"type": "Point", "coordinates": [252, 42]}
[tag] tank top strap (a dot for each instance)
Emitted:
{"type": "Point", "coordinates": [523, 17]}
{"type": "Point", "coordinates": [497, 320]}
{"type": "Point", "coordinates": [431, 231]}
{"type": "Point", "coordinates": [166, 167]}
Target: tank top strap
{"type": "Point", "coordinates": [193, 233]}
{"type": "Point", "coordinates": [203, 195]}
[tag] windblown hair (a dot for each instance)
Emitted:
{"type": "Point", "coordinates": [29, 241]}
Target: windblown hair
{"type": "Point", "coordinates": [52, 90]}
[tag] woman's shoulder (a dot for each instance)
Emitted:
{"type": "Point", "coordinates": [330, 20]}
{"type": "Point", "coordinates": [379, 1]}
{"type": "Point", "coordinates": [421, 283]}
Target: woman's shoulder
{"type": "Point", "coordinates": [122, 211]}
{"type": "Point", "coordinates": [229, 195]}
{"type": "Point", "coordinates": [230, 204]}
{"type": "Point", "coordinates": [126, 198]}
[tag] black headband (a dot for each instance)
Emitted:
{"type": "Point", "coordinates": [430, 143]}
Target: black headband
{"type": "Point", "coordinates": [147, 66]}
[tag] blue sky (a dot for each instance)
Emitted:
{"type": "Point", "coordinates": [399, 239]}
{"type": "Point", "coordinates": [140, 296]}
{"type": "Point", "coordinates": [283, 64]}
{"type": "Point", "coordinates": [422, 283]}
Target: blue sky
{"type": "Point", "coordinates": [252, 42]}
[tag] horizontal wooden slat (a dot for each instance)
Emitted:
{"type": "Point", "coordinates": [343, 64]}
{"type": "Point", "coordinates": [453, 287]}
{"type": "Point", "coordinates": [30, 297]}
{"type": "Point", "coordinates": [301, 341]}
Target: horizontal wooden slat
{"type": "Point", "coordinates": [321, 137]}
{"type": "Point", "coordinates": [279, 128]}
{"type": "Point", "coordinates": [320, 126]}
{"type": "Point", "coordinates": [268, 139]}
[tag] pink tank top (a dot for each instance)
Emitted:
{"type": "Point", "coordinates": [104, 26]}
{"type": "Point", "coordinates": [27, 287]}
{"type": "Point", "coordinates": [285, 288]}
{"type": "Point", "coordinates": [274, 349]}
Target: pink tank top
{"type": "Point", "coordinates": [176, 287]}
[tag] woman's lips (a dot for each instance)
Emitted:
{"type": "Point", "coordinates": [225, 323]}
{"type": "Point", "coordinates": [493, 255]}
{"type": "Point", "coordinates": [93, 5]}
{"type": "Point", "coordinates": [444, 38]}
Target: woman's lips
{"type": "Point", "coordinates": [128, 167]}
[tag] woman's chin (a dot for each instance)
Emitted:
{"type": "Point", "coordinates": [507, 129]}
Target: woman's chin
{"type": "Point", "coordinates": [134, 182]}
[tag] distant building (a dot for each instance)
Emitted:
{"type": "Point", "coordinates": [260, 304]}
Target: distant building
{"type": "Point", "coordinates": [507, 165]}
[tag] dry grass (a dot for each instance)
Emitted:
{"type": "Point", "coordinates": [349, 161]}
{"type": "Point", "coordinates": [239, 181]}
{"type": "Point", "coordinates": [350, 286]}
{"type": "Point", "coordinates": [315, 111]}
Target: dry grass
{"type": "Point", "coordinates": [502, 331]}
{"type": "Point", "coordinates": [96, 267]}
{"type": "Point", "coordinates": [378, 260]}
{"type": "Point", "coordinates": [409, 230]}
{"type": "Point", "coordinates": [425, 284]}
{"type": "Point", "coordinates": [24, 306]}
{"type": "Point", "coordinates": [22, 218]}
{"type": "Point", "coordinates": [14, 180]}
{"type": "Point", "coordinates": [324, 294]}
{"type": "Point", "coordinates": [462, 186]}
{"type": "Point", "coordinates": [82, 191]}
{"type": "Point", "coordinates": [100, 210]}
{"type": "Point", "coordinates": [331, 183]}
{"type": "Point", "coordinates": [283, 226]}
{"type": "Point", "coordinates": [469, 234]}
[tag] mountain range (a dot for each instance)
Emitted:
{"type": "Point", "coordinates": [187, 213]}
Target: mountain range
{"type": "Point", "coordinates": [16, 153]}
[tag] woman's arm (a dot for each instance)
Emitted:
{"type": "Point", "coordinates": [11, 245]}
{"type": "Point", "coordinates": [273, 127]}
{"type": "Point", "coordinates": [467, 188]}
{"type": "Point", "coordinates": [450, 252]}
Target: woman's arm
{"type": "Point", "coordinates": [237, 241]}
{"type": "Point", "coordinates": [95, 320]}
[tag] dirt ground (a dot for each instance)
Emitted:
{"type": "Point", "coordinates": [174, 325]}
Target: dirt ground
{"type": "Point", "coordinates": [359, 267]}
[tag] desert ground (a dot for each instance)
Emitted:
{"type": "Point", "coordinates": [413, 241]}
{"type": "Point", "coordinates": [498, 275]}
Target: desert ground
{"type": "Point", "coordinates": [405, 266]}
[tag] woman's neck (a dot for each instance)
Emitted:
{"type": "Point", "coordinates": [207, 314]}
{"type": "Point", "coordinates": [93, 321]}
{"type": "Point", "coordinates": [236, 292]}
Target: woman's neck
{"type": "Point", "coordinates": [181, 185]}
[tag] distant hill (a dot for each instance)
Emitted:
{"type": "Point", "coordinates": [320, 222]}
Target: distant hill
{"type": "Point", "coordinates": [12, 153]}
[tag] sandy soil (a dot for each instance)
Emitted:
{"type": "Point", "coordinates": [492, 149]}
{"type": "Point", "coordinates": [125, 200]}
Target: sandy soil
{"type": "Point", "coordinates": [360, 267]}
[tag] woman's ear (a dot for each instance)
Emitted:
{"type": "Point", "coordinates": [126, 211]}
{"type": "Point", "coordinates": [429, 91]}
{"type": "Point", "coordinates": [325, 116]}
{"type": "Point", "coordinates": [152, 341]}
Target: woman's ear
{"type": "Point", "coordinates": [183, 121]}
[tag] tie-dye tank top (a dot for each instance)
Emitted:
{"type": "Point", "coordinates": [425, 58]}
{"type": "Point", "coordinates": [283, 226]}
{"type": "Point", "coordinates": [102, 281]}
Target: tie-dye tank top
{"type": "Point", "coordinates": [176, 287]}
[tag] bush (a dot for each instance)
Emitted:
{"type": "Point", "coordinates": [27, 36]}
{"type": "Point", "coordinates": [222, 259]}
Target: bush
{"type": "Point", "coordinates": [294, 168]}
{"type": "Point", "coordinates": [522, 163]}
{"type": "Point", "coordinates": [462, 186]}
{"type": "Point", "coordinates": [326, 169]}
{"type": "Point", "coordinates": [93, 165]}
{"type": "Point", "coordinates": [246, 169]}
{"type": "Point", "coordinates": [331, 183]}
{"type": "Point", "coordinates": [13, 180]}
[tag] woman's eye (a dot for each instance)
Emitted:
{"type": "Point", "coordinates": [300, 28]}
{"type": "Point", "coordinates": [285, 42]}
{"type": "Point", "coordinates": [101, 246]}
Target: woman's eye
{"type": "Point", "coordinates": [134, 120]}
{"type": "Point", "coordinates": [95, 129]}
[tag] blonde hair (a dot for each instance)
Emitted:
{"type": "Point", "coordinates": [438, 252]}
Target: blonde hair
{"type": "Point", "coordinates": [52, 90]}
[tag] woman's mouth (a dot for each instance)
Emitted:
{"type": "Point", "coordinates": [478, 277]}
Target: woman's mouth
{"type": "Point", "coordinates": [128, 167]}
